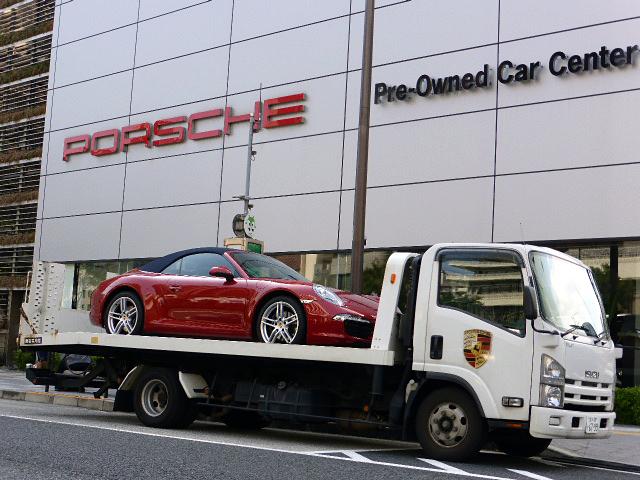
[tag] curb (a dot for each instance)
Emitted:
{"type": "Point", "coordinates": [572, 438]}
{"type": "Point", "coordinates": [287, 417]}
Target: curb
{"type": "Point", "coordinates": [90, 403]}
{"type": "Point", "coordinates": [568, 457]}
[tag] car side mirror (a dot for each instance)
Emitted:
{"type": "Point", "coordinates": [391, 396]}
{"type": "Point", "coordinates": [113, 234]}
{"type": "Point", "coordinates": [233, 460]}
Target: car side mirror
{"type": "Point", "coordinates": [529, 302]}
{"type": "Point", "coordinates": [221, 272]}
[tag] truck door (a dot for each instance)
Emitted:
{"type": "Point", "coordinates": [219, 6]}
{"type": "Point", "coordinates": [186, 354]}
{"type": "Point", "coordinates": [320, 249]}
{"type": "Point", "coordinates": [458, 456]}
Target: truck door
{"type": "Point", "coordinates": [476, 327]}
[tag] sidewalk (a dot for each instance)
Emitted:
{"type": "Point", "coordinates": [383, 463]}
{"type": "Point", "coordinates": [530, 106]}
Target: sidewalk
{"type": "Point", "coordinates": [622, 447]}
{"type": "Point", "coordinates": [15, 386]}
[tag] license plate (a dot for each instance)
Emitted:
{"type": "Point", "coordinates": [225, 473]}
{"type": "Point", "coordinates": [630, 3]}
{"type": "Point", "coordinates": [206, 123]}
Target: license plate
{"type": "Point", "coordinates": [593, 425]}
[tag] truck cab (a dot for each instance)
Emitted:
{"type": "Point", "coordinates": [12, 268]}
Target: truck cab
{"type": "Point", "coordinates": [521, 329]}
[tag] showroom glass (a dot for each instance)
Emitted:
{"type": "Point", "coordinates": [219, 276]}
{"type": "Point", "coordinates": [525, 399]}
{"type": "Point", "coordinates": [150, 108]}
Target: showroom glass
{"type": "Point", "coordinates": [485, 284]}
{"type": "Point", "coordinates": [198, 265]}
{"type": "Point", "coordinates": [89, 276]}
{"type": "Point", "coordinates": [567, 293]}
{"type": "Point", "coordinates": [261, 266]}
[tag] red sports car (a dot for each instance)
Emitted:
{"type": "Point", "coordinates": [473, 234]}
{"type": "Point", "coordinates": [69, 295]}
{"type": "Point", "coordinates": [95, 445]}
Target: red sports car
{"type": "Point", "coordinates": [231, 294]}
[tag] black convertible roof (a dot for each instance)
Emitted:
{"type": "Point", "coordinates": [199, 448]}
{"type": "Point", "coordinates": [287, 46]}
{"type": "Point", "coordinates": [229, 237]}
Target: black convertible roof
{"type": "Point", "coordinates": [159, 264]}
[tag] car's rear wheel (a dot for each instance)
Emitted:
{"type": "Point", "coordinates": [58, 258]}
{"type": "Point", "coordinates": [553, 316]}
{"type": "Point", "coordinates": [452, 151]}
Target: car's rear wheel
{"type": "Point", "coordinates": [281, 320]}
{"type": "Point", "coordinates": [124, 314]}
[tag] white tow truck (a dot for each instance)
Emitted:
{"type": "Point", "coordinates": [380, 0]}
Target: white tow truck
{"type": "Point", "coordinates": [472, 342]}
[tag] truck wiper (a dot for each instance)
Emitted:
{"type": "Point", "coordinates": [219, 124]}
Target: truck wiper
{"type": "Point", "coordinates": [587, 330]}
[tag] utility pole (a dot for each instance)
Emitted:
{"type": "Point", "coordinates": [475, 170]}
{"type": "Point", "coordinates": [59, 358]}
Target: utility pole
{"type": "Point", "coordinates": [360, 200]}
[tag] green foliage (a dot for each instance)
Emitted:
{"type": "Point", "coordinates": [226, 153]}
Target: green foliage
{"type": "Point", "coordinates": [21, 358]}
{"type": "Point", "coordinates": [372, 277]}
{"type": "Point", "coordinates": [22, 154]}
{"type": "Point", "coordinates": [8, 3]}
{"type": "Point", "coordinates": [25, 33]}
{"type": "Point", "coordinates": [628, 406]}
{"type": "Point", "coordinates": [24, 72]}
{"type": "Point", "coordinates": [616, 299]}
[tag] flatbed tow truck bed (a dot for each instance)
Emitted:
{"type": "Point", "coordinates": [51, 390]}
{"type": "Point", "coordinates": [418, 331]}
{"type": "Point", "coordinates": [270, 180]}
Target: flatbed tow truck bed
{"type": "Point", "coordinates": [141, 346]}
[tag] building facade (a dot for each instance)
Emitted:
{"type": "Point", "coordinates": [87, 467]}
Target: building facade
{"type": "Point", "coordinates": [25, 48]}
{"type": "Point", "coordinates": [504, 120]}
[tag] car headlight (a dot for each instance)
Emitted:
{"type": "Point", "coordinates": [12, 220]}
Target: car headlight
{"type": "Point", "coordinates": [551, 383]}
{"type": "Point", "coordinates": [326, 294]}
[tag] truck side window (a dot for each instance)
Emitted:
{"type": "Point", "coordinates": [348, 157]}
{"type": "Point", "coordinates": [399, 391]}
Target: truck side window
{"type": "Point", "coordinates": [485, 284]}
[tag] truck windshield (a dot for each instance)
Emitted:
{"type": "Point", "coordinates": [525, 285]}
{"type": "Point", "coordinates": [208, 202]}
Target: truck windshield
{"type": "Point", "coordinates": [568, 298]}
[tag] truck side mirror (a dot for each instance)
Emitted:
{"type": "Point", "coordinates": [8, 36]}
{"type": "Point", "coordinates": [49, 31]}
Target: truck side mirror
{"type": "Point", "coordinates": [222, 272]}
{"type": "Point", "coordinates": [530, 305]}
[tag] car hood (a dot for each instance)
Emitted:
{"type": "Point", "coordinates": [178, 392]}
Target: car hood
{"type": "Point", "coordinates": [366, 305]}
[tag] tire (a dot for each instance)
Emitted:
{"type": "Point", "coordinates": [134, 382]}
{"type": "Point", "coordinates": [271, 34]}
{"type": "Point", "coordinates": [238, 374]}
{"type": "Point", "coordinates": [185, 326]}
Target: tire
{"type": "Point", "coordinates": [520, 444]}
{"type": "Point", "coordinates": [131, 323]}
{"type": "Point", "coordinates": [281, 320]}
{"type": "Point", "coordinates": [449, 425]}
{"type": "Point", "coordinates": [244, 420]}
{"type": "Point", "coordinates": [160, 402]}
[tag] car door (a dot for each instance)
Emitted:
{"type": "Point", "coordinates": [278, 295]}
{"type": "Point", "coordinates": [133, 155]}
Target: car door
{"type": "Point", "coordinates": [194, 303]}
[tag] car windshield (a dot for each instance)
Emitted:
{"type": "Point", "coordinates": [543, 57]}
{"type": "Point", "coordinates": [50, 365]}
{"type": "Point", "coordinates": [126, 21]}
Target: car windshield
{"type": "Point", "coordinates": [568, 297]}
{"type": "Point", "coordinates": [261, 266]}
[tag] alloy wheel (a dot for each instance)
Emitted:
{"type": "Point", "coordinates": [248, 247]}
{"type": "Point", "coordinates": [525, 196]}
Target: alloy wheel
{"type": "Point", "coordinates": [279, 323]}
{"type": "Point", "coordinates": [122, 317]}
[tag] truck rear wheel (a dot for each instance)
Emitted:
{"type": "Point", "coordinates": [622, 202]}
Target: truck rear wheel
{"type": "Point", "coordinates": [449, 425]}
{"type": "Point", "coordinates": [160, 401]}
{"type": "Point", "coordinates": [521, 444]}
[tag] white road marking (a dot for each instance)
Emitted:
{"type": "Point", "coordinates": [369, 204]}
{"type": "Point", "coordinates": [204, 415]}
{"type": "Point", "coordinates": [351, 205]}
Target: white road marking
{"type": "Point", "coordinates": [230, 444]}
{"type": "Point", "coordinates": [443, 466]}
{"type": "Point", "coordinates": [524, 473]}
{"type": "Point", "coordinates": [356, 456]}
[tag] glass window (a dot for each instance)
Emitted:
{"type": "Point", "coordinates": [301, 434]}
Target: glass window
{"type": "Point", "coordinates": [89, 276]}
{"type": "Point", "coordinates": [485, 284]}
{"type": "Point", "coordinates": [199, 264]}
{"type": "Point", "coordinates": [262, 266]}
{"type": "Point", "coordinates": [174, 268]}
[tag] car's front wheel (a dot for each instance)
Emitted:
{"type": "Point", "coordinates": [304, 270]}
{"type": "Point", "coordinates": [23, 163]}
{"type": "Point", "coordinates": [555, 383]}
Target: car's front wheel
{"type": "Point", "coordinates": [281, 320]}
{"type": "Point", "coordinates": [124, 314]}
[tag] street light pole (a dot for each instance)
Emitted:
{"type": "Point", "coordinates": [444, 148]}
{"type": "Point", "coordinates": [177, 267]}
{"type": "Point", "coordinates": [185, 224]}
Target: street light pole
{"type": "Point", "coordinates": [360, 200]}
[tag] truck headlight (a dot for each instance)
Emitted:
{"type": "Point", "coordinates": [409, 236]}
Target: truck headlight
{"type": "Point", "coordinates": [551, 383]}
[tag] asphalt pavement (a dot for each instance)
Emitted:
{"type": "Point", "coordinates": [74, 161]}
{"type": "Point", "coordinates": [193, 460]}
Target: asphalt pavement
{"type": "Point", "coordinates": [50, 442]}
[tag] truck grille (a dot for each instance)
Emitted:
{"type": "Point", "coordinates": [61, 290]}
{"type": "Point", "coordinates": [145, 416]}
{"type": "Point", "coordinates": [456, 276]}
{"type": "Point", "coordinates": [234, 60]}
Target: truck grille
{"type": "Point", "coordinates": [587, 396]}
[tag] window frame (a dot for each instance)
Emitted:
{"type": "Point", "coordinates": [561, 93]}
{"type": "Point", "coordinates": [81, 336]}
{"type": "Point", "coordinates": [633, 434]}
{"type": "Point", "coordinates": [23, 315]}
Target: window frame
{"type": "Point", "coordinates": [519, 262]}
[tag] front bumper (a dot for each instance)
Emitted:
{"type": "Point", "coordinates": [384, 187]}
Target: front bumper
{"type": "Point", "coordinates": [571, 423]}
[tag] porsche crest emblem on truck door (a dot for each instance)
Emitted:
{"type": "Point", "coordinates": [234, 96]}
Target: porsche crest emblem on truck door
{"type": "Point", "coordinates": [477, 347]}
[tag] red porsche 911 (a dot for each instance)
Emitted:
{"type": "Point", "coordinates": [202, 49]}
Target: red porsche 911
{"type": "Point", "coordinates": [230, 294]}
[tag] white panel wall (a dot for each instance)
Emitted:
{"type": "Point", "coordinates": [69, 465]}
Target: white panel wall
{"type": "Point", "coordinates": [571, 204]}
{"type": "Point", "coordinates": [433, 161]}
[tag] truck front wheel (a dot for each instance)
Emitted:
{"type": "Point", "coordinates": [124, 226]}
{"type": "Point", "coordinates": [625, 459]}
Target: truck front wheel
{"type": "Point", "coordinates": [521, 444]}
{"type": "Point", "coordinates": [449, 425]}
{"type": "Point", "coordinates": [160, 401]}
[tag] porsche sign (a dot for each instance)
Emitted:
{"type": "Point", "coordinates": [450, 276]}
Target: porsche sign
{"type": "Point", "coordinates": [169, 131]}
